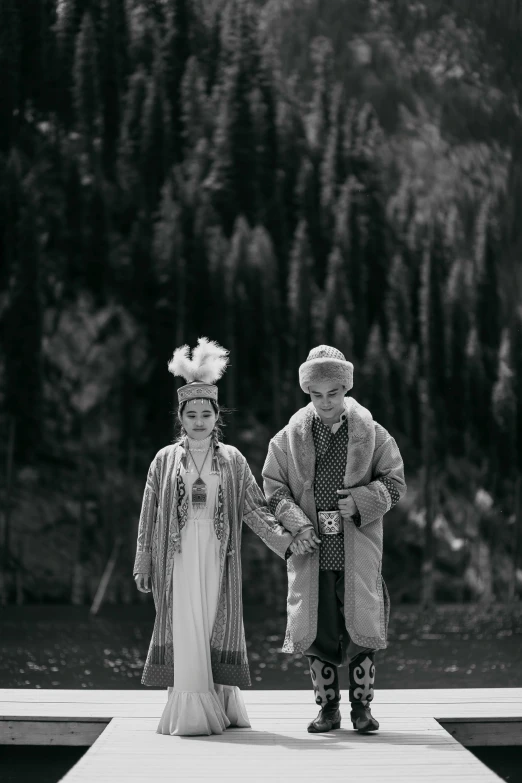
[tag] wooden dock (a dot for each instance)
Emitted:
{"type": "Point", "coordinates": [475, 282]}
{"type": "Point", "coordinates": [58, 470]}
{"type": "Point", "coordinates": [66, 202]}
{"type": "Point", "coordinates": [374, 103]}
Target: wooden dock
{"type": "Point", "coordinates": [422, 737]}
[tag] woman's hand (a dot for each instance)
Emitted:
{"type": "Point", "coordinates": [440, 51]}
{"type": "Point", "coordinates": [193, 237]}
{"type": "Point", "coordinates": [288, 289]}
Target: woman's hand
{"type": "Point", "coordinates": [305, 542]}
{"type": "Point", "coordinates": [347, 505]}
{"type": "Point", "coordinates": [143, 582]}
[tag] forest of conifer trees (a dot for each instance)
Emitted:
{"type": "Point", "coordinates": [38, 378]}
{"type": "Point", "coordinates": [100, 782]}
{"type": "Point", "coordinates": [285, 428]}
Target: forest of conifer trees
{"type": "Point", "coordinates": [273, 175]}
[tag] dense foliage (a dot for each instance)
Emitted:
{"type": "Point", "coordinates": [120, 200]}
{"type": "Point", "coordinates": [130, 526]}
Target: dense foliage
{"type": "Point", "coordinates": [273, 175]}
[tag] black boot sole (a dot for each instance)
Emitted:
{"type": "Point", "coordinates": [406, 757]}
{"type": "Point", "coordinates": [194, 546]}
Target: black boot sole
{"type": "Point", "coordinates": [334, 727]}
{"type": "Point", "coordinates": [367, 729]}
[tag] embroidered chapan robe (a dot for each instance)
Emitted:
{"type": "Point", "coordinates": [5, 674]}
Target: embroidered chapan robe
{"type": "Point", "coordinates": [374, 473]}
{"type": "Point", "coordinates": [163, 515]}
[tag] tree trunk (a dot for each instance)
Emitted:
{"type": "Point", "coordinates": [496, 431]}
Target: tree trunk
{"type": "Point", "coordinates": [19, 575]}
{"type": "Point", "coordinates": [427, 564]}
{"type": "Point", "coordinates": [78, 577]}
{"type": "Point", "coordinates": [180, 297]}
{"type": "Point", "coordinates": [517, 540]}
{"type": "Point", "coordinates": [301, 352]}
{"type": "Point", "coordinates": [231, 377]}
{"type": "Point", "coordinates": [6, 560]}
{"type": "Point", "coordinates": [127, 584]}
{"type": "Point", "coordinates": [272, 316]}
{"type": "Point", "coordinates": [485, 569]}
{"type": "Point", "coordinates": [276, 382]}
{"type": "Point", "coordinates": [426, 408]}
{"type": "Point", "coordinates": [106, 578]}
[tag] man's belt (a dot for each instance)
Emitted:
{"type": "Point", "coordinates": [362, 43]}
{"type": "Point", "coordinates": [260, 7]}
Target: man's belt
{"type": "Point", "coordinates": [330, 522]}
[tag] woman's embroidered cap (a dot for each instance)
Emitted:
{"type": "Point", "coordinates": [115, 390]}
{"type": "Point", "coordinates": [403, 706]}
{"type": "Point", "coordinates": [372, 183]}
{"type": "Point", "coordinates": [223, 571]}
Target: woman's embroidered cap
{"type": "Point", "coordinates": [207, 365]}
{"type": "Point", "coordinates": [325, 363]}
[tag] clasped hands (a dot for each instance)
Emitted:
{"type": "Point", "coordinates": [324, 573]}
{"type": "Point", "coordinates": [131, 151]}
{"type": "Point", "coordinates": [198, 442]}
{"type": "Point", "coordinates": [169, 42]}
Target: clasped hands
{"type": "Point", "coordinates": [308, 540]}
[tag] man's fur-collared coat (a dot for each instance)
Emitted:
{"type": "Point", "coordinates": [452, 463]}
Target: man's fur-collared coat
{"type": "Point", "coordinates": [375, 474]}
{"type": "Point", "coordinates": [163, 516]}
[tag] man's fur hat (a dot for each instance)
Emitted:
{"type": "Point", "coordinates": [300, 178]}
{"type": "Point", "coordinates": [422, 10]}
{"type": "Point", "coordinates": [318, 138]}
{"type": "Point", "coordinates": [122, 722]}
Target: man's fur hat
{"type": "Point", "coordinates": [325, 363]}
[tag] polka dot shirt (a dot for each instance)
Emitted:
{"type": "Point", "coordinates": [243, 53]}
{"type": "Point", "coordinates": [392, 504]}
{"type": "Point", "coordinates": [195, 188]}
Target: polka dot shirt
{"type": "Point", "coordinates": [330, 466]}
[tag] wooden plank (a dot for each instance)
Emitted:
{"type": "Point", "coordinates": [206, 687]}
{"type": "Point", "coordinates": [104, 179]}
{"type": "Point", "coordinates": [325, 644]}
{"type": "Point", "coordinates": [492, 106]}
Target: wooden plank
{"type": "Point", "coordinates": [411, 745]}
{"type": "Point", "coordinates": [408, 730]}
{"type": "Point", "coordinates": [124, 753]}
{"type": "Point", "coordinates": [86, 695]}
{"type": "Point", "coordinates": [72, 712]}
{"type": "Point", "coordinates": [382, 743]}
{"type": "Point", "coordinates": [92, 712]}
{"type": "Point", "coordinates": [485, 733]}
{"type": "Point", "coordinates": [266, 712]}
{"type": "Point", "coordinates": [146, 695]}
{"type": "Point", "coordinates": [141, 696]}
{"type": "Point", "coordinates": [389, 696]}
{"type": "Point", "coordinates": [50, 732]}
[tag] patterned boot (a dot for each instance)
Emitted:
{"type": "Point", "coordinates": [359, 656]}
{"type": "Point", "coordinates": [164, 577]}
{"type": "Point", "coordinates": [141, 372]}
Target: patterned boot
{"type": "Point", "coordinates": [327, 695]}
{"type": "Point", "coordinates": [362, 679]}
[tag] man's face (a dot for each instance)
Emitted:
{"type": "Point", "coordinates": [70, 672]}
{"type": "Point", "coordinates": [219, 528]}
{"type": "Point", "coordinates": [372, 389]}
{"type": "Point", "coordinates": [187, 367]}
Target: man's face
{"type": "Point", "coordinates": [328, 400]}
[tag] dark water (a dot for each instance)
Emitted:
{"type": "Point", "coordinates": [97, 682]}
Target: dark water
{"type": "Point", "coordinates": [27, 764]}
{"type": "Point", "coordinates": [506, 761]}
{"type": "Point", "coordinates": [36, 763]}
{"type": "Point", "coordinates": [64, 647]}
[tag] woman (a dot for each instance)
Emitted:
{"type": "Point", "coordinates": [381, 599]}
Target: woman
{"type": "Point", "coordinates": [198, 493]}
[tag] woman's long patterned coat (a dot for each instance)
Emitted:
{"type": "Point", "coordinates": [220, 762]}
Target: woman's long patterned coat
{"type": "Point", "coordinates": [375, 474]}
{"type": "Point", "coordinates": [163, 515]}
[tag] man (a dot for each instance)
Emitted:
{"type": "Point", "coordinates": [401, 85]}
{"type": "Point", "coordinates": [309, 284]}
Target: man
{"type": "Point", "coordinates": [339, 471]}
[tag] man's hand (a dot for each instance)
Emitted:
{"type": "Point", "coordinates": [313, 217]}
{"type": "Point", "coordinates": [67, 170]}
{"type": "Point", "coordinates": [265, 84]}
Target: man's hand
{"type": "Point", "coordinates": [305, 542]}
{"type": "Point", "coordinates": [143, 582]}
{"type": "Point", "coordinates": [347, 505]}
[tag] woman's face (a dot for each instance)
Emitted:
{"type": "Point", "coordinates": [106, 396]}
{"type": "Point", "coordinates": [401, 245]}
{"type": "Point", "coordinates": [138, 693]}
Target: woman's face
{"type": "Point", "coordinates": [198, 419]}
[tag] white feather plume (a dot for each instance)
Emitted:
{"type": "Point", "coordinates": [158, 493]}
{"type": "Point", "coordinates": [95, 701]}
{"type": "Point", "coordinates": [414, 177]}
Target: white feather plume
{"type": "Point", "coordinates": [208, 363]}
{"type": "Point", "coordinates": [181, 364]}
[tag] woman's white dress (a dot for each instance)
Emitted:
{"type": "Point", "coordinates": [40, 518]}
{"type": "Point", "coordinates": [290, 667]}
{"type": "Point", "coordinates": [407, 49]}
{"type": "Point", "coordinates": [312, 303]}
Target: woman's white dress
{"type": "Point", "coordinates": [196, 705]}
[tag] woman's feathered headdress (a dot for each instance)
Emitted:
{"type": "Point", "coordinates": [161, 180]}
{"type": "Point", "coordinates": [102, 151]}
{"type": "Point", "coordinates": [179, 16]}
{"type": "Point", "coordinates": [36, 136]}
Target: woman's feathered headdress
{"type": "Point", "coordinates": [207, 365]}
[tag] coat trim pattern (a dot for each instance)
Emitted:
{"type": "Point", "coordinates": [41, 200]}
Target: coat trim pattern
{"type": "Point", "coordinates": [372, 457]}
{"type": "Point", "coordinates": [239, 500]}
